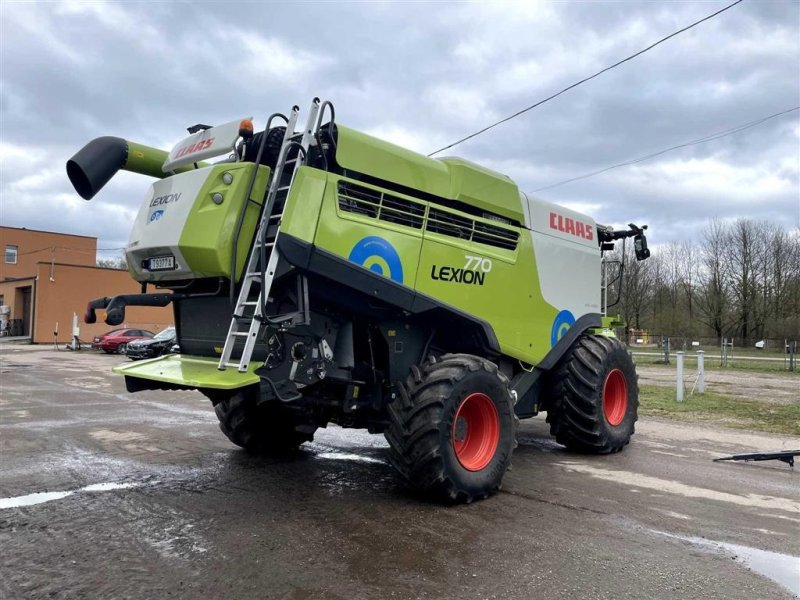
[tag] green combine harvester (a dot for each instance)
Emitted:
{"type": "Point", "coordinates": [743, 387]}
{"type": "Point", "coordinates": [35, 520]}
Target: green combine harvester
{"type": "Point", "coordinates": [323, 275]}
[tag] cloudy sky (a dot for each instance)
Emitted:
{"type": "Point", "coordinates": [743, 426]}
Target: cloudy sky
{"type": "Point", "coordinates": [421, 75]}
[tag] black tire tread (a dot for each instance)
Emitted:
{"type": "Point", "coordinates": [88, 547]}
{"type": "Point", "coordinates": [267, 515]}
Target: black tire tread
{"type": "Point", "coordinates": [576, 418]}
{"type": "Point", "coordinates": [258, 428]}
{"type": "Point", "coordinates": [415, 417]}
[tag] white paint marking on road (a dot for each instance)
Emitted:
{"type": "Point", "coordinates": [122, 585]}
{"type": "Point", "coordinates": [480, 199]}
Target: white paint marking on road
{"type": "Point", "coordinates": [41, 497]}
{"type": "Point", "coordinates": [629, 478]}
{"type": "Point", "coordinates": [783, 569]}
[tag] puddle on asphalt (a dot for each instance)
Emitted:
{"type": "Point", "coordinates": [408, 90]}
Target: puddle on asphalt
{"type": "Point", "coordinates": [41, 497]}
{"type": "Point", "coordinates": [783, 569]}
{"type": "Point", "coordinates": [348, 456]}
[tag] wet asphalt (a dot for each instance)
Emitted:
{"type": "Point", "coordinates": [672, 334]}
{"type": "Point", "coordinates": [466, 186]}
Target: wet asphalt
{"type": "Point", "coordinates": [145, 498]}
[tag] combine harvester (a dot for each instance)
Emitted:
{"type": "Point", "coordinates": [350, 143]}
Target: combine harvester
{"type": "Point", "coordinates": [324, 275]}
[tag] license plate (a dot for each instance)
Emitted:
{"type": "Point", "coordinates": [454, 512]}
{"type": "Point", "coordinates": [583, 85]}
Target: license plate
{"type": "Point", "coordinates": [161, 263]}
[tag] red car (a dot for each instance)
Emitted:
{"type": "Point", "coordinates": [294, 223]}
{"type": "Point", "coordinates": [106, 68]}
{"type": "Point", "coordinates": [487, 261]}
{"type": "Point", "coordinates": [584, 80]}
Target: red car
{"type": "Point", "coordinates": [118, 339]}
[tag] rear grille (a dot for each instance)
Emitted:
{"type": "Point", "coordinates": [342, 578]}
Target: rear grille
{"type": "Point", "coordinates": [379, 205]}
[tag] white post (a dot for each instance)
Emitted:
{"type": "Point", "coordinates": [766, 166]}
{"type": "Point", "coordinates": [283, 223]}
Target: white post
{"type": "Point", "coordinates": [680, 354]}
{"type": "Point", "coordinates": [701, 374]}
{"type": "Point", "coordinates": [75, 344]}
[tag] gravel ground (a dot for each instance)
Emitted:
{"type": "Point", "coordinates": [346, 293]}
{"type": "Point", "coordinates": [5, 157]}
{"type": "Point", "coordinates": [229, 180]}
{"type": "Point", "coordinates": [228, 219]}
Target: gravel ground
{"type": "Point", "coordinates": [109, 495]}
{"type": "Point", "coordinates": [782, 388]}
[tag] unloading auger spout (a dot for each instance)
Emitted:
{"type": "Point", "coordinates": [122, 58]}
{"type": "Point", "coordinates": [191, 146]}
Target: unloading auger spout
{"type": "Point", "coordinates": [97, 162]}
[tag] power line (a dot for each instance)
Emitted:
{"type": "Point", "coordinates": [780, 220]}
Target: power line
{"type": "Point", "coordinates": [702, 140]}
{"type": "Point", "coordinates": [79, 250]}
{"type": "Point", "coordinates": [574, 85]}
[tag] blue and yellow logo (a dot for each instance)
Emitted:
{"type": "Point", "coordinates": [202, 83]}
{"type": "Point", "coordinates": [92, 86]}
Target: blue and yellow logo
{"type": "Point", "coordinates": [563, 321]}
{"type": "Point", "coordinates": [379, 256]}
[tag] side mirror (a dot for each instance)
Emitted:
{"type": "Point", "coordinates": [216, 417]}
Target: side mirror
{"type": "Point", "coordinates": [640, 246]}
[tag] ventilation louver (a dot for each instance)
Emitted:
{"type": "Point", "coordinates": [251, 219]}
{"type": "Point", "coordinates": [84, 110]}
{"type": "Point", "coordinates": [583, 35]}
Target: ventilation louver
{"type": "Point", "coordinates": [386, 207]}
{"type": "Point", "coordinates": [380, 205]}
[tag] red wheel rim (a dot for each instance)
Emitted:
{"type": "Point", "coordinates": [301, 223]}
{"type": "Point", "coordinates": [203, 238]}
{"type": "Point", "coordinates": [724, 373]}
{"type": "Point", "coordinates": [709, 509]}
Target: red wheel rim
{"type": "Point", "coordinates": [476, 431]}
{"type": "Point", "coordinates": [615, 397]}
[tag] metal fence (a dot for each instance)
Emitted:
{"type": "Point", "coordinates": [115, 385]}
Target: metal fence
{"type": "Point", "coordinates": [775, 354]}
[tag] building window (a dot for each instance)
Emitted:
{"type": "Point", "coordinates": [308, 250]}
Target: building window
{"type": "Point", "coordinates": [11, 255]}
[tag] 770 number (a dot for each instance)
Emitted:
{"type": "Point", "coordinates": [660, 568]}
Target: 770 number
{"type": "Point", "coordinates": [475, 263]}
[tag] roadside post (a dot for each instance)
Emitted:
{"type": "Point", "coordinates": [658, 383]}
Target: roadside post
{"type": "Point", "coordinates": [75, 344]}
{"type": "Point", "coordinates": [725, 353]}
{"type": "Point", "coordinates": [701, 375]}
{"type": "Point", "coordinates": [680, 354]}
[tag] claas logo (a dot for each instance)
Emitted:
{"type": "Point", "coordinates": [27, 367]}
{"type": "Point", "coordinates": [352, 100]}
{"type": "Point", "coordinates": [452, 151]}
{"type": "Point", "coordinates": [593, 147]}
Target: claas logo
{"type": "Point", "coordinates": [196, 147]}
{"type": "Point", "coordinates": [571, 226]}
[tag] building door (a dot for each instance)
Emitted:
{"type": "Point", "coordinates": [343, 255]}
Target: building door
{"type": "Point", "coordinates": [26, 310]}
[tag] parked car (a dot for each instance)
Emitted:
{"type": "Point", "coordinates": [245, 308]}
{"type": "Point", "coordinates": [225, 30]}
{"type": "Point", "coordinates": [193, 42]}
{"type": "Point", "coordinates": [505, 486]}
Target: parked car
{"type": "Point", "coordinates": [117, 340]}
{"type": "Point", "coordinates": [161, 343]}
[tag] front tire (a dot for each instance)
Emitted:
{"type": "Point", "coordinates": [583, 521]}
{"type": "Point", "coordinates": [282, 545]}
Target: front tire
{"type": "Point", "coordinates": [265, 427]}
{"type": "Point", "coordinates": [594, 399]}
{"type": "Point", "coordinates": [452, 428]}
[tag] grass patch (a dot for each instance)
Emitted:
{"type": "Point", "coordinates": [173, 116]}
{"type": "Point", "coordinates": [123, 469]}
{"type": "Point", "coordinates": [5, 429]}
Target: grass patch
{"type": "Point", "coordinates": [722, 409]}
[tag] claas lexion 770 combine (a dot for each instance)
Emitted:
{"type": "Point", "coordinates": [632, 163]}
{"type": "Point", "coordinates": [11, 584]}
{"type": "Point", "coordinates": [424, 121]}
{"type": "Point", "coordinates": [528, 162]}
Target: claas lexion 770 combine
{"type": "Point", "coordinates": [323, 275]}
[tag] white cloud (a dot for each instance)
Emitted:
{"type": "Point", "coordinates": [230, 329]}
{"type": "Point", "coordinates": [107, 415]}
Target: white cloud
{"type": "Point", "coordinates": [710, 176]}
{"type": "Point", "coordinates": [422, 76]}
{"type": "Point", "coordinates": [459, 103]}
{"type": "Point", "coordinates": [412, 139]}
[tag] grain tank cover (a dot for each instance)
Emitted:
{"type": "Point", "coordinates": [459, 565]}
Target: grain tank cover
{"type": "Point", "coordinates": [450, 178]}
{"type": "Point", "coordinates": [204, 144]}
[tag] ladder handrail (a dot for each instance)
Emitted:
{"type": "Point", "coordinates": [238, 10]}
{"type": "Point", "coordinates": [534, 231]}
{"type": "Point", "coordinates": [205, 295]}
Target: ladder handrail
{"type": "Point", "coordinates": [271, 201]}
{"type": "Point", "coordinates": [259, 268]}
{"type": "Point", "coordinates": [248, 199]}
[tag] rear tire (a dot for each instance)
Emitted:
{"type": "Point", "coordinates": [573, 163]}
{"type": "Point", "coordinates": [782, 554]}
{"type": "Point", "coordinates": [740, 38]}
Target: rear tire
{"type": "Point", "coordinates": [452, 428]}
{"type": "Point", "coordinates": [122, 348]}
{"type": "Point", "coordinates": [594, 396]}
{"type": "Point", "coordinates": [259, 427]}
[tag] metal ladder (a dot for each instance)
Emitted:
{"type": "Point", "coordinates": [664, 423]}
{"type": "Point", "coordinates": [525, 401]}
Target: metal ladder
{"type": "Point", "coordinates": [248, 315]}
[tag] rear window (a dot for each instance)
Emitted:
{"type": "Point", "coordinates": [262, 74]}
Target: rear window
{"type": "Point", "coordinates": [168, 333]}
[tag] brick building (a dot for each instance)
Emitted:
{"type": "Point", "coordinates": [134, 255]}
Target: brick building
{"type": "Point", "coordinates": [45, 277]}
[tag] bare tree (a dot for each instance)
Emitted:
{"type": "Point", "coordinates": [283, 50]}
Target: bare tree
{"type": "Point", "coordinates": [120, 263]}
{"type": "Point", "coordinates": [740, 268]}
{"type": "Point", "coordinates": [689, 275]}
{"type": "Point", "coordinates": [713, 297]}
{"type": "Point", "coordinates": [634, 288]}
